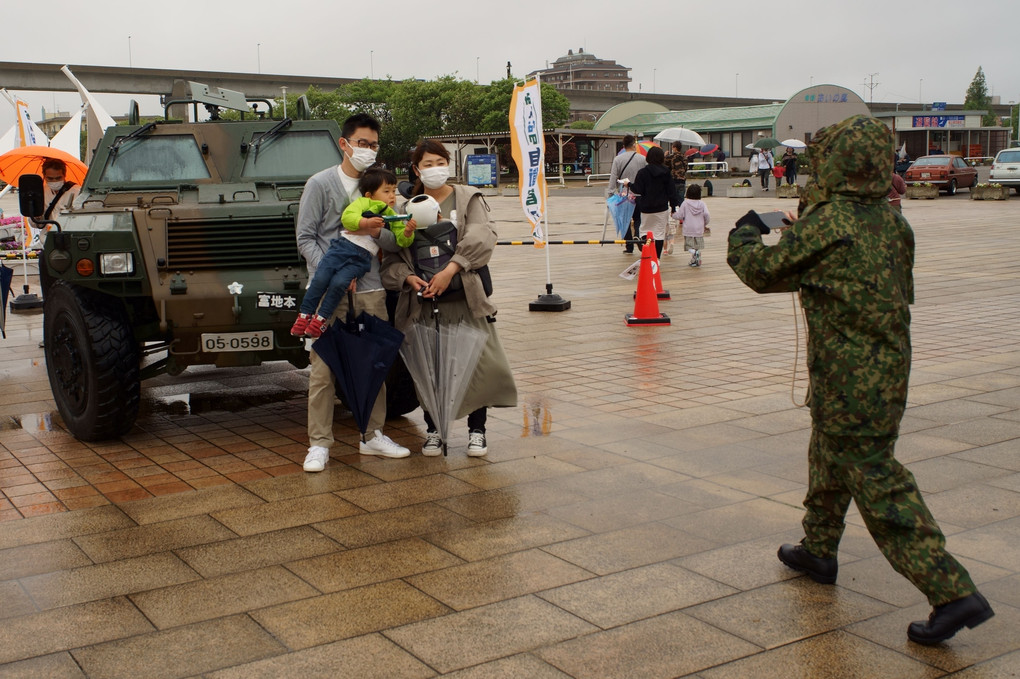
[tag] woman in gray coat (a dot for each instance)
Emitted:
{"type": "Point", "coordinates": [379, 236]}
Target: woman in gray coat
{"type": "Point", "coordinates": [492, 383]}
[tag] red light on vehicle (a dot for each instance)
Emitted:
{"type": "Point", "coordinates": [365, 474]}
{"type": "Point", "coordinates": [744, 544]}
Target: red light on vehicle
{"type": "Point", "coordinates": [85, 267]}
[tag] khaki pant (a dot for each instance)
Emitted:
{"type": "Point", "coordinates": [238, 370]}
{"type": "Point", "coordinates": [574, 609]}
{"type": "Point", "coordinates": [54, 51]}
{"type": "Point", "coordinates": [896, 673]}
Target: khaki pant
{"type": "Point", "coordinates": [322, 384]}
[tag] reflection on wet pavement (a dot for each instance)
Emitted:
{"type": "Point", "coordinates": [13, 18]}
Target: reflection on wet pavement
{"type": "Point", "coordinates": [537, 417]}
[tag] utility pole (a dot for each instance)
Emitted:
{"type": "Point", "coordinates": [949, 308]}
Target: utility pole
{"type": "Point", "coordinates": [871, 85]}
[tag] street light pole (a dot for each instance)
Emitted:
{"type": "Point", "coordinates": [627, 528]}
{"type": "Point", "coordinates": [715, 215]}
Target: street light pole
{"type": "Point", "coordinates": [284, 89]}
{"type": "Point", "coordinates": [476, 69]}
{"type": "Point", "coordinates": [736, 85]}
{"type": "Point", "coordinates": [653, 80]}
{"type": "Point", "coordinates": [258, 55]}
{"type": "Point", "coordinates": [371, 64]}
{"type": "Point", "coordinates": [129, 51]}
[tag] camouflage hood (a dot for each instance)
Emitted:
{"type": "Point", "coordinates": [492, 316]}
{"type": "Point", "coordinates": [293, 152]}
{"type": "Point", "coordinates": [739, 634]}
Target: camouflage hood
{"type": "Point", "coordinates": [852, 160]}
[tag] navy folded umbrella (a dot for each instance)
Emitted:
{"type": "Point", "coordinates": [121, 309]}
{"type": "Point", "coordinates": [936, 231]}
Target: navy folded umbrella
{"type": "Point", "coordinates": [6, 275]}
{"type": "Point", "coordinates": [360, 352]}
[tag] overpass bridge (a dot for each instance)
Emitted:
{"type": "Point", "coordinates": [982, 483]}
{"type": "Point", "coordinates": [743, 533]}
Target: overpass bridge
{"type": "Point", "coordinates": [160, 82]}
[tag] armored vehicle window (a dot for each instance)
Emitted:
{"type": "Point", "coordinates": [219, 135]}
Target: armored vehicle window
{"type": "Point", "coordinates": [292, 154]}
{"type": "Point", "coordinates": [163, 159]}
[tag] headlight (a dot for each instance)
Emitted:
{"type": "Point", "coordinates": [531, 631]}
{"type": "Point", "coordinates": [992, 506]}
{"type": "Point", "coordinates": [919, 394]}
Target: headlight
{"type": "Point", "coordinates": [116, 263]}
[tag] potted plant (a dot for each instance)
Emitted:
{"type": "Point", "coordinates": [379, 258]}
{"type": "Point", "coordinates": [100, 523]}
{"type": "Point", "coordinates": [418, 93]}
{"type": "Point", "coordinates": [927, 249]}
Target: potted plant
{"type": "Point", "coordinates": [989, 192]}
{"type": "Point", "coordinates": [788, 191]}
{"type": "Point", "coordinates": [740, 190]}
{"type": "Point", "coordinates": [925, 190]}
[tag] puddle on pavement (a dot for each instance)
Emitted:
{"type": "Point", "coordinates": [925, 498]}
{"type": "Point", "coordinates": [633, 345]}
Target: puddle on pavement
{"type": "Point", "coordinates": [537, 418]}
{"type": "Point", "coordinates": [33, 423]}
{"type": "Point", "coordinates": [212, 401]}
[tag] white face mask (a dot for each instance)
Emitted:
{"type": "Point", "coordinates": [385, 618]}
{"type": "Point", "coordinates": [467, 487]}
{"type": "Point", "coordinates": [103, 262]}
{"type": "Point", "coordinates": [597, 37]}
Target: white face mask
{"type": "Point", "coordinates": [55, 186]}
{"type": "Point", "coordinates": [434, 177]}
{"type": "Point", "coordinates": [362, 159]}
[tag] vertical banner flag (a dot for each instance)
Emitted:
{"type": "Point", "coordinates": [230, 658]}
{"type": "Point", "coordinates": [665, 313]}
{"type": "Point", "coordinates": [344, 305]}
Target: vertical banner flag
{"type": "Point", "coordinates": [528, 147]}
{"type": "Point", "coordinates": [26, 135]}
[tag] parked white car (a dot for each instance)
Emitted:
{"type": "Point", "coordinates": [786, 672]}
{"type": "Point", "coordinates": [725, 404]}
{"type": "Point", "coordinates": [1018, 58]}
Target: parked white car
{"type": "Point", "coordinates": [1006, 168]}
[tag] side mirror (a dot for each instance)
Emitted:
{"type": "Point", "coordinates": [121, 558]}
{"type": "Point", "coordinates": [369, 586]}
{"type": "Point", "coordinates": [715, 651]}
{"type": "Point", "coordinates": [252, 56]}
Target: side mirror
{"type": "Point", "coordinates": [30, 195]}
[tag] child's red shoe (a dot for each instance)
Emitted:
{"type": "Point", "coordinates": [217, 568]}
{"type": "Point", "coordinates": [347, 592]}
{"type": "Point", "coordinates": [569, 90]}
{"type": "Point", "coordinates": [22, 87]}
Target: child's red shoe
{"type": "Point", "coordinates": [300, 325]}
{"type": "Point", "coordinates": [315, 327]}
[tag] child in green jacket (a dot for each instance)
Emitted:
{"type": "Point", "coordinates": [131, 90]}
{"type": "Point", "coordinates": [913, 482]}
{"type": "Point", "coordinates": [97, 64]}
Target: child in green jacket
{"type": "Point", "coordinates": [350, 256]}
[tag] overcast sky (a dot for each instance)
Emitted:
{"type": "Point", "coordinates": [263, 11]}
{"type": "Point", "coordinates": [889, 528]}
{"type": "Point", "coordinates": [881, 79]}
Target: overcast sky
{"type": "Point", "coordinates": [917, 51]}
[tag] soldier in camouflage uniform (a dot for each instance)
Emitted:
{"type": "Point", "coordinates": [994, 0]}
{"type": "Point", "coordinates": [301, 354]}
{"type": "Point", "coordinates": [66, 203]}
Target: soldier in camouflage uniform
{"type": "Point", "coordinates": [850, 256]}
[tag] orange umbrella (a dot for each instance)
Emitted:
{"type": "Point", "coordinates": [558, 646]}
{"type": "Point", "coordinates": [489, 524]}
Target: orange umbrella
{"type": "Point", "coordinates": [30, 159]}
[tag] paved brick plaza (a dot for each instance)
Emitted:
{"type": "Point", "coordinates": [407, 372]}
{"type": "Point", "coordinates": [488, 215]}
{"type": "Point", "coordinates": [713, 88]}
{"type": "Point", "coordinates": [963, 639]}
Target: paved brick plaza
{"type": "Point", "coordinates": [624, 523]}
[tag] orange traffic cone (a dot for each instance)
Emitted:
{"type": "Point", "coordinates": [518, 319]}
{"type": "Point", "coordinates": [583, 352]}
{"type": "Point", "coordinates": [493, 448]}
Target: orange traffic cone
{"type": "Point", "coordinates": [660, 293]}
{"type": "Point", "coordinates": [646, 304]}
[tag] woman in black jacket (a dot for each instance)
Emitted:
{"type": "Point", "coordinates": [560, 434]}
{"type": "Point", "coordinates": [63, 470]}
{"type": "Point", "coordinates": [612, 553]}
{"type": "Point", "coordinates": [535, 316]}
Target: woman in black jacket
{"type": "Point", "coordinates": [656, 196]}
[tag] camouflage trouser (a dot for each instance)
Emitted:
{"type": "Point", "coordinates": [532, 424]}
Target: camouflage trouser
{"type": "Point", "coordinates": [863, 468]}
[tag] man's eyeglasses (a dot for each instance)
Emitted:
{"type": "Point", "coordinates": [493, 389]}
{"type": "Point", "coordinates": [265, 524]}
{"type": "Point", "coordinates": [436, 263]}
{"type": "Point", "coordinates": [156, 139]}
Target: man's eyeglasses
{"type": "Point", "coordinates": [364, 144]}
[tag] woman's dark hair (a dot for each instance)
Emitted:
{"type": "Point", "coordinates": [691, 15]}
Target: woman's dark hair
{"type": "Point", "coordinates": [423, 147]}
{"type": "Point", "coordinates": [656, 156]}
{"type": "Point", "coordinates": [694, 192]}
{"type": "Point", "coordinates": [375, 177]}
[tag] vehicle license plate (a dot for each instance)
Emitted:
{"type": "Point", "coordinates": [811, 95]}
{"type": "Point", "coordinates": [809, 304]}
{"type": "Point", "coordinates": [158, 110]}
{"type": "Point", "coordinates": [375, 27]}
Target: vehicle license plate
{"type": "Point", "coordinates": [258, 340]}
{"type": "Point", "coordinates": [925, 175]}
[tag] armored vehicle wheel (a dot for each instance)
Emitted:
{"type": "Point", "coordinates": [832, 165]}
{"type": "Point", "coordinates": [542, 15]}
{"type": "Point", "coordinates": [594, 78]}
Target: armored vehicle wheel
{"type": "Point", "coordinates": [92, 361]}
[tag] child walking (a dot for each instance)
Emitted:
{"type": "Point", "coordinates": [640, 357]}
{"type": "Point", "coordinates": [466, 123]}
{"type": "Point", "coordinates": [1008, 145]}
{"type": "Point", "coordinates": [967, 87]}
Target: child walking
{"type": "Point", "coordinates": [350, 256]}
{"type": "Point", "coordinates": [693, 215]}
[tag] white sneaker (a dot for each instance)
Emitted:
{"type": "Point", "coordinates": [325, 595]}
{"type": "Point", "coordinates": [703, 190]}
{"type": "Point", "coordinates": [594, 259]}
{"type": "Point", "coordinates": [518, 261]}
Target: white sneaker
{"type": "Point", "coordinates": [383, 446]}
{"type": "Point", "coordinates": [476, 444]}
{"type": "Point", "coordinates": [433, 445]}
{"type": "Point", "coordinates": [315, 460]}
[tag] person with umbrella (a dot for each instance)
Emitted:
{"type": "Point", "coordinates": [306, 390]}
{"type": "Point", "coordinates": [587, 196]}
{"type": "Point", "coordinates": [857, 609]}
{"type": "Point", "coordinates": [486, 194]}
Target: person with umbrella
{"type": "Point", "coordinates": [489, 382]}
{"type": "Point", "coordinates": [790, 166]}
{"type": "Point", "coordinates": [676, 163]}
{"type": "Point", "coordinates": [325, 196]}
{"type": "Point", "coordinates": [59, 192]}
{"type": "Point", "coordinates": [765, 164]}
{"type": "Point", "coordinates": [625, 168]}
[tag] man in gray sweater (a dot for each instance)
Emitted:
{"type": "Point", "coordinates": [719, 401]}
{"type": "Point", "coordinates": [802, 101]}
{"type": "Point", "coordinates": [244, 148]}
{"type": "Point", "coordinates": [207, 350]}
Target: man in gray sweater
{"type": "Point", "coordinates": [625, 167]}
{"type": "Point", "coordinates": [325, 196]}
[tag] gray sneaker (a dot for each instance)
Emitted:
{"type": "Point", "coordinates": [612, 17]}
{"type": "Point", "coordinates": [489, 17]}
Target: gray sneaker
{"type": "Point", "coordinates": [433, 445]}
{"type": "Point", "coordinates": [476, 444]}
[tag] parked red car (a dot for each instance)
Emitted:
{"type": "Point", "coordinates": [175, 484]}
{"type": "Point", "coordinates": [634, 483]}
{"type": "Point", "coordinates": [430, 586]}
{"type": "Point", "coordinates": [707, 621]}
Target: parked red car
{"type": "Point", "coordinates": [946, 172]}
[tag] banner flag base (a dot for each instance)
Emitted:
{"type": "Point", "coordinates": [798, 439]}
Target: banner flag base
{"type": "Point", "coordinates": [549, 301]}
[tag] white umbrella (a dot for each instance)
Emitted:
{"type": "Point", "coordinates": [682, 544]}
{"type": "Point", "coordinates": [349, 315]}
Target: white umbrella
{"type": "Point", "coordinates": [793, 143]}
{"type": "Point", "coordinates": [680, 134]}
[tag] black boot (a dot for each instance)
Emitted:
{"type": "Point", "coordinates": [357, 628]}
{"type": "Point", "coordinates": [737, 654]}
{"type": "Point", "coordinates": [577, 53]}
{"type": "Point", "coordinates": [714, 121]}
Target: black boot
{"type": "Point", "coordinates": [948, 619]}
{"type": "Point", "coordinates": [818, 569]}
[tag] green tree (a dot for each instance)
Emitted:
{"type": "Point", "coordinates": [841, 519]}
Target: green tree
{"type": "Point", "coordinates": [977, 98]}
{"type": "Point", "coordinates": [496, 106]}
{"type": "Point", "coordinates": [582, 125]}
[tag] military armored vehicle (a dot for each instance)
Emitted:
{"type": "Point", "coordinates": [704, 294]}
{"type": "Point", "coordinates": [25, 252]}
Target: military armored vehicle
{"type": "Point", "coordinates": [179, 251]}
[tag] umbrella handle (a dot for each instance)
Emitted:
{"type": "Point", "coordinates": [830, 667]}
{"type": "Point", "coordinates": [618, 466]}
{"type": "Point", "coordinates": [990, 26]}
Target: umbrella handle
{"type": "Point", "coordinates": [350, 307]}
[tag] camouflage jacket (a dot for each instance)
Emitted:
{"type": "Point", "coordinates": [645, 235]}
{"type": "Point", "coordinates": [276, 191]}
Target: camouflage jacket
{"type": "Point", "coordinates": [677, 164]}
{"type": "Point", "coordinates": [851, 257]}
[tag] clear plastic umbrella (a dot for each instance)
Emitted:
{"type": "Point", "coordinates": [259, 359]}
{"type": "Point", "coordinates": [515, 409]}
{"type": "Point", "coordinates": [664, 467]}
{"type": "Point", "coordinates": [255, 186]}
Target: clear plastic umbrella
{"type": "Point", "coordinates": [441, 358]}
{"type": "Point", "coordinates": [680, 134]}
